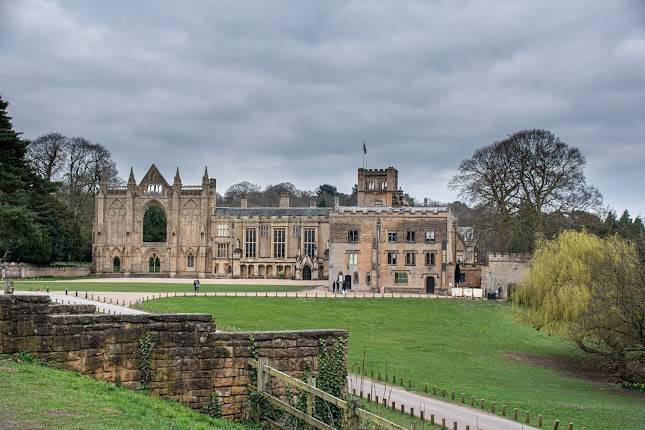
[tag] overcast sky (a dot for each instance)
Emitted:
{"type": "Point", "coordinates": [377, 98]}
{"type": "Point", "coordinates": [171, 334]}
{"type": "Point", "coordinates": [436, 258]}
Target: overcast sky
{"type": "Point", "coordinates": [274, 91]}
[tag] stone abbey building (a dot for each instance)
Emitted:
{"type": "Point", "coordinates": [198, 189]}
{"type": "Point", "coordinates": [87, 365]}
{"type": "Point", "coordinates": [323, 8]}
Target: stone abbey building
{"type": "Point", "coordinates": [382, 243]}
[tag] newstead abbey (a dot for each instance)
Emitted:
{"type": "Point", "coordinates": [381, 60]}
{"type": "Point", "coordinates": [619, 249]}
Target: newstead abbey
{"type": "Point", "coordinates": [381, 244]}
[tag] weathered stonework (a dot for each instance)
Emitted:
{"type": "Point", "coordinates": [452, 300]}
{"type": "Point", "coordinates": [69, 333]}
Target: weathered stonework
{"type": "Point", "coordinates": [504, 270]}
{"type": "Point", "coordinates": [25, 270]}
{"type": "Point", "coordinates": [203, 240]}
{"type": "Point", "coordinates": [190, 359]}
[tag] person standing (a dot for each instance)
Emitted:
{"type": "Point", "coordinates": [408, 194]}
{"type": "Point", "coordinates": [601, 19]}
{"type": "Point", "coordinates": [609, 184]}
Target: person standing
{"type": "Point", "coordinates": [197, 281]}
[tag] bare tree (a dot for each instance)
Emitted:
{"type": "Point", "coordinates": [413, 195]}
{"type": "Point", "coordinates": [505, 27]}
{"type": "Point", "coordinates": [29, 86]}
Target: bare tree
{"type": "Point", "coordinates": [47, 154]}
{"type": "Point", "coordinates": [525, 181]}
{"type": "Point", "coordinates": [489, 178]}
{"type": "Point", "coordinates": [550, 173]}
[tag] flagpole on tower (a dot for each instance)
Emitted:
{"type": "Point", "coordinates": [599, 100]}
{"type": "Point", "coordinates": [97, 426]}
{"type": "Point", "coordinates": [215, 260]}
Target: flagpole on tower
{"type": "Point", "coordinates": [364, 156]}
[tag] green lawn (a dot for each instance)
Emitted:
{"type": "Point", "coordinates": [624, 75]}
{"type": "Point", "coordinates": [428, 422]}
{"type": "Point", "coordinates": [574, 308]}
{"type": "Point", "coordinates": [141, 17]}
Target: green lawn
{"type": "Point", "coordinates": [153, 287]}
{"type": "Point", "coordinates": [38, 397]}
{"type": "Point", "coordinates": [458, 345]}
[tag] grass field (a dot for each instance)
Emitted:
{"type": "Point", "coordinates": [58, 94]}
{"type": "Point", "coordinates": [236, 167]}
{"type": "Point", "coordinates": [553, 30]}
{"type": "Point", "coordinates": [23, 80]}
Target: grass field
{"type": "Point", "coordinates": [460, 345]}
{"type": "Point", "coordinates": [37, 397]}
{"type": "Point", "coordinates": [153, 287]}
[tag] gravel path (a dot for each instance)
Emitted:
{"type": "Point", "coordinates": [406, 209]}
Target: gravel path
{"type": "Point", "coordinates": [106, 308]}
{"type": "Point", "coordinates": [475, 418]}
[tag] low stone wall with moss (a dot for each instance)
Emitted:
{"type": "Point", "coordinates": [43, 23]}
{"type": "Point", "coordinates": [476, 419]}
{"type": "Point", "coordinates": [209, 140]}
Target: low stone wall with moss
{"type": "Point", "coordinates": [180, 357]}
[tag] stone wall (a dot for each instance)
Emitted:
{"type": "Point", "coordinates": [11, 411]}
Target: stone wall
{"type": "Point", "coordinates": [190, 359]}
{"type": "Point", "coordinates": [24, 270]}
{"type": "Point", "coordinates": [504, 270]}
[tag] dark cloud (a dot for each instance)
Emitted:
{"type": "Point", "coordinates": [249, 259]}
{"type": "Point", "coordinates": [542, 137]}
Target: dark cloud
{"type": "Point", "coordinates": [289, 90]}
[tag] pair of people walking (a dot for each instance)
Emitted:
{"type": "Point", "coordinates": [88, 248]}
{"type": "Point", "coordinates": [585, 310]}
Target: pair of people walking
{"type": "Point", "coordinates": [196, 285]}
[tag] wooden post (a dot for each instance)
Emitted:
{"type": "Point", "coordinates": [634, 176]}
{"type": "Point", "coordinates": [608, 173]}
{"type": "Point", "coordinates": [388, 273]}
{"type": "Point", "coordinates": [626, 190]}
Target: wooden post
{"type": "Point", "coordinates": [472, 400]}
{"type": "Point", "coordinates": [556, 425]}
{"type": "Point", "coordinates": [379, 376]}
{"type": "Point", "coordinates": [409, 384]}
{"type": "Point", "coordinates": [492, 407]}
{"type": "Point", "coordinates": [431, 419]}
{"type": "Point", "coordinates": [452, 395]}
{"type": "Point", "coordinates": [402, 408]}
{"type": "Point", "coordinates": [443, 423]}
{"type": "Point", "coordinates": [515, 413]}
{"type": "Point", "coordinates": [376, 400]}
{"type": "Point", "coordinates": [443, 392]}
{"type": "Point", "coordinates": [528, 417]}
{"type": "Point", "coordinates": [467, 427]}
{"type": "Point", "coordinates": [421, 413]}
{"type": "Point", "coordinates": [393, 405]}
{"type": "Point", "coordinates": [263, 376]}
{"type": "Point", "coordinates": [369, 397]}
{"type": "Point", "coordinates": [570, 426]}
{"type": "Point", "coordinates": [454, 425]}
{"type": "Point", "coordinates": [481, 403]}
{"type": "Point", "coordinates": [412, 411]}
{"type": "Point", "coordinates": [434, 390]}
{"type": "Point", "coordinates": [503, 410]}
{"type": "Point", "coordinates": [425, 388]}
{"type": "Point", "coordinates": [540, 418]}
{"type": "Point", "coordinates": [311, 404]}
{"type": "Point", "coordinates": [462, 397]}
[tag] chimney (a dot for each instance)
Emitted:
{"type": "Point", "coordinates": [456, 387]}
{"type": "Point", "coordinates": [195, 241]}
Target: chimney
{"type": "Point", "coordinates": [284, 200]}
{"type": "Point", "coordinates": [244, 201]}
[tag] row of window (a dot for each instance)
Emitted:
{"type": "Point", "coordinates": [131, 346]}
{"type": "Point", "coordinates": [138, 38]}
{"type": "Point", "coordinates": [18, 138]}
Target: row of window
{"type": "Point", "coordinates": [223, 230]}
{"type": "Point", "coordinates": [399, 278]}
{"type": "Point", "coordinates": [279, 242]}
{"type": "Point", "coordinates": [410, 258]}
{"type": "Point", "coordinates": [410, 236]}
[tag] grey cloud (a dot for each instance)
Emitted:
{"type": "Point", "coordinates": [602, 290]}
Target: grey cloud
{"type": "Point", "coordinates": [289, 90]}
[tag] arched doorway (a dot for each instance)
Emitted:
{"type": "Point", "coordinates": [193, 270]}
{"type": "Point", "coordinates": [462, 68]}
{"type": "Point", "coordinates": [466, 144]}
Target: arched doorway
{"type": "Point", "coordinates": [306, 273]}
{"type": "Point", "coordinates": [347, 283]}
{"type": "Point", "coordinates": [116, 264]}
{"type": "Point", "coordinates": [154, 264]}
{"type": "Point", "coordinates": [429, 285]}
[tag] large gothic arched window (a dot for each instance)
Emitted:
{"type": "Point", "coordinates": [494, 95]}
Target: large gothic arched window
{"type": "Point", "coordinates": [154, 224]}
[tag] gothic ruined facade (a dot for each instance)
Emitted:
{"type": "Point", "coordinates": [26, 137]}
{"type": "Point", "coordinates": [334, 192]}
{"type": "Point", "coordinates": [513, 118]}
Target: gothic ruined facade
{"type": "Point", "coordinates": [381, 243]}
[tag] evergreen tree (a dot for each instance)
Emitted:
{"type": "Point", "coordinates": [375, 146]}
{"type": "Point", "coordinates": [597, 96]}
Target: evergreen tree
{"type": "Point", "coordinates": [22, 237]}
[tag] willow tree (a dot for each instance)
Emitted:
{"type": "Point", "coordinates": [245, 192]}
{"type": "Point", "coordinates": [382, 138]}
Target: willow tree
{"type": "Point", "coordinates": [592, 291]}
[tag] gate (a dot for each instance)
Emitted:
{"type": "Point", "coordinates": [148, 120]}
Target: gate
{"type": "Point", "coordinates": [352, 417]}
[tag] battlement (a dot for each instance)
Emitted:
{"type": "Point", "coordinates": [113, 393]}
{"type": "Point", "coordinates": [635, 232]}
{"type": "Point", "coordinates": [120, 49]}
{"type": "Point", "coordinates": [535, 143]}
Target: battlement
{"type": "Point", "coordinates": [391, 210]}
{"type": "Point", "coordinates": [509, 257]}
{"type": "Point", "coordinates": [376, 171]}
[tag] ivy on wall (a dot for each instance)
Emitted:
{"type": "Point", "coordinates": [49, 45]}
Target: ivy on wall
{"type": "Point", "coordinates": [144, 354]}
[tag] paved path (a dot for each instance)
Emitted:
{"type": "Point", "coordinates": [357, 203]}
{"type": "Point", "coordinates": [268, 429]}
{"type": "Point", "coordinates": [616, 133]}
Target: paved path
{"type": "Point", "coordinates": [183, 280]}
{"type": "Point", "coordinates": [475, 418]}
{"type": "Point", "coordinates": [106, 308]}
